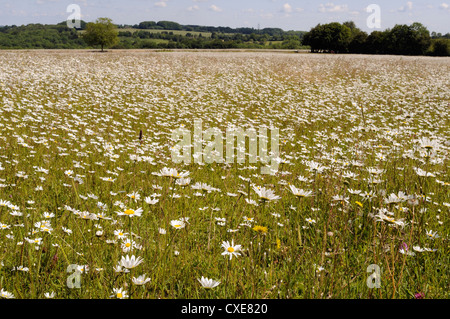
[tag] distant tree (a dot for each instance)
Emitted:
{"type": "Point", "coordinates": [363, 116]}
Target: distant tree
{"type": "Point", "coordinates": [440, 47]}
{"type": "Point", "coordinates": [328, 37]}
{"type": "Point", "coordinates": [103, 32]}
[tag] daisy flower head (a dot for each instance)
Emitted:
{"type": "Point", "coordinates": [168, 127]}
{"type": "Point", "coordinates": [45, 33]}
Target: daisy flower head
{"type": "Point", "coordinates": [150, 200]}
{"type": "Point", "coordinates": [208, 283]}
{"type": "Point", "coordinates": [432, 235]}
{"type": "Point", "coordinates": [265, 194]}
{"type": "Point", "coordinates": [141, 280]}
{"type": "Point", "coordinates": [300, 192]}
{"type": "Point", "coordinates": [172, 172]}
{"type": "Point", "coordinates": [134, 195]}
{"type": "Point", "coordinates": [68, 172]}
{"type": "Point", "coordinates": [231, 249]}
{"type": "Point", "coordinates": [128, 245]}
{"type": "Point", "coordinates": [131, 212]}
{"type": "Point", "coordinates": [120, 234]}
{"type": "Point", "coordinates": [178, 224]}
{"type": "Point", "coordinates": [119, 293]}
{"type": "Point", "coordinates": [6, 294]}
{"type": "Point", "coordinates": [130, 262]}
{"type": "Point", "coordinates": [49, 295]}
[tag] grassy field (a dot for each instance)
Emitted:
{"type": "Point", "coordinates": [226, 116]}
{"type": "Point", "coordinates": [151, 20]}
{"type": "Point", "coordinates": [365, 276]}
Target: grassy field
{"type": "Point", "coordinates": [362, 187]}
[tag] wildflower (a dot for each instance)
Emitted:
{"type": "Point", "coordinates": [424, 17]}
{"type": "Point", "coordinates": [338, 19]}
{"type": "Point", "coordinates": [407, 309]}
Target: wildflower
{"type": "Point", "coordinates": [265, 194]}
{"type": "Point", "coordinates": [300, 192]}
{"type": "Point", "coordinates": [120, 234]}
{"type": "Point", "coordinates": [66, 230]}
{"type": "Point", "coordinates": [231, 250]}
{"type": "Point", "coordinates": [119, 293]}
{"type": "Point", "coordinates": [132, 262]}
{"type": "Point", "coordinates": [260, 229]}
{"type": "Point", "coordinates": [128, 245]}
{"type": "Point", "coordinates": [183, 181]}
{"type": "Point", "coordinates": [432, 235]}
{"type": "Point", "coordinates": [310, 220]}
{"type": "Point", "coordinates": [172, 172]}
{"type": "Point", "coordinates": [134, 195]}
{"type": "Point", "coordinates": [208, 283]}
{"type": "Point", "coordinates": [68, 172]}
{"type": "Point", "coordinates": [141, 280]}
{"type": "Point", "coordinates": [151, 201]}
{"type": "Point", "coordinates": [49, 295]}
{"type": "Point", "coordinates": [119, 269]}
{"type": "Point", "coordinates": [178, 224]}
{"type": "Point", "coordinates": [419, 295]}
{"type": "Point", "coordinates": [6, 294]}
{"type": "Point", "coordinates": [131, 213]}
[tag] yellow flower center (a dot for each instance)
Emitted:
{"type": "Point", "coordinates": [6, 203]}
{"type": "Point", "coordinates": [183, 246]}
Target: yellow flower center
{"type": "Point", "coordinates": [127, 244]}
{"type": "Point", "coordinates": [230, 249]}
{"type": "Point", "coordinates": [120, 234]}
{"type": "Point", "coordinates": [119, 295]}
{"type": "Point", "coordinates": [129, 212]}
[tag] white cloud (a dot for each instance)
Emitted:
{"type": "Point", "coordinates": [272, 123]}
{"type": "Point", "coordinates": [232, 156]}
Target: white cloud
{"type": "Point", "coordinates": [444, 6]}
{"type": "Point", "coordinates": [193, 8]}
{"type": "Point", "coordinates": [215, 8]}
{"type": "Point", "coordinates": [287, 8]}
{"type": "Point", "coordinates": [161, 4]}
{"type": "Point", "coordinates": [331, 7]}
{"type": "Point", "coordinates": [408, 7]}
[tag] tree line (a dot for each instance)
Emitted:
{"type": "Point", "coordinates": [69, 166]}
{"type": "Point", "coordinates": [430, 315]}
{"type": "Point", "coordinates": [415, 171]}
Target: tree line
{"type": "Point", "coordinates": [414, 39]}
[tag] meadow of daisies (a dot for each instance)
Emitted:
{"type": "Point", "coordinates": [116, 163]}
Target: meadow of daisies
{"type": "Point", "coordinates": [93, 206]}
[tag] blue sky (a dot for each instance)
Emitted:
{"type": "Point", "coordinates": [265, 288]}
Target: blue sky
{"type": "Point", "coordinates": [285, 14]}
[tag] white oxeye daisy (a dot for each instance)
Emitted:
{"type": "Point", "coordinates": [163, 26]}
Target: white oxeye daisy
{"type": "Point", "coordinates": [432, 235]}
{"type": "Point", "coordinates": [131, 213]}
{"type": "Point", "coordinates": [134, 195]}
{"type": "Point", "coordinates": [265, 194]}
{"type": "Point", "coordinates": [50, 295]}
{"type": "Point", "coordinates": [141, 280]}
{"type": "Point", "coordinates": [120, 234]}
{"type": "Point", "coordinates": [231, 250]}
{"type": "Point", "coordinates": [178, 224]}
{"type": "Point", "coordinates": [151, 201]}
{"type": "Point", "coordinates": [208, 283]}
{"type": "Point", "coordinates": [119, 293]}
{"type": "Point", "coordinates": [300, 192]}
{"type": "Point", "coordinates": [130, 262]}
{"type": "Point", "coordinates": [6, 294]}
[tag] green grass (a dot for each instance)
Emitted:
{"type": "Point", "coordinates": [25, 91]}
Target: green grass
{"type": "Point", "coordinates": [86, 117]}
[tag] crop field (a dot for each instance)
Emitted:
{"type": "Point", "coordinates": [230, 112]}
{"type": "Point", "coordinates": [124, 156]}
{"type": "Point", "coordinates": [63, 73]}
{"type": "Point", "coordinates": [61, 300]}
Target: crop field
{"type": "Point", "coordinates": [348, 195]}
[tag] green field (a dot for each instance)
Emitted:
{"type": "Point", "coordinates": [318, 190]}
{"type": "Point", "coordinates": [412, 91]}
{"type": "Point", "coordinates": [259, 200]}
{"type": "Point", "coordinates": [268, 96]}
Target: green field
{"type": "Point", "coordinates": [88, 177]}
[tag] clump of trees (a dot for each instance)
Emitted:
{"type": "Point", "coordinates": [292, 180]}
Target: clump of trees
{"type": "Point", "coordinates": [414, 39]}
{"type": "Point", "coordinates": [103, 32]}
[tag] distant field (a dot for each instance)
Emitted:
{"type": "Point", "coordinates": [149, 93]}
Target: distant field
{"type": "Point", "coordinates": [355, 204]}
{"type": "Point", "coordinates": [132, 30]}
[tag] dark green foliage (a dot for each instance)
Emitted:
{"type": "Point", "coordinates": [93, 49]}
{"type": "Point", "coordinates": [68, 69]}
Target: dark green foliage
{"type": "Point", "coordinates": [103, 32]}
{"type": "Point", "coordinates": [38, 36]}
{"type": "Point", "coordinates": [401, 39]}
